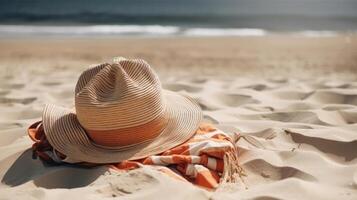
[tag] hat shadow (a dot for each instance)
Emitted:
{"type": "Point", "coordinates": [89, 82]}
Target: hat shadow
{"type": "Point", "coordinates": [45, 175]}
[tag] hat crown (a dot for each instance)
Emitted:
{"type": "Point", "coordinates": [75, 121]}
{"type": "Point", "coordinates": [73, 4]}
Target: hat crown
{"type": "Point", "coordinates": [119, 95]}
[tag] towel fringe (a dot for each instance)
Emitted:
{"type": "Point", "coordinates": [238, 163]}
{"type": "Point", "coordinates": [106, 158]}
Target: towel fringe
{"type": "Point", "coordinates": [232, 172]}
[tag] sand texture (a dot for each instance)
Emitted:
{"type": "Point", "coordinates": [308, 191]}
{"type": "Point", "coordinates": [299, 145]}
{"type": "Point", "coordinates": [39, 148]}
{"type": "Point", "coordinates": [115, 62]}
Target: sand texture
{"type": "Point", "coordinates": [299, 134]}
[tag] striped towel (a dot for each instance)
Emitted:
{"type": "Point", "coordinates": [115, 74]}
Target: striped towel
{"type": "Point", "coordinates": [207, 159]}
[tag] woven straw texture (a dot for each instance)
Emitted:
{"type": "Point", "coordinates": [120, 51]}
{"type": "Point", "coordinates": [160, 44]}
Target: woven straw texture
{"type": "Point", "coordinates": [121, 113]}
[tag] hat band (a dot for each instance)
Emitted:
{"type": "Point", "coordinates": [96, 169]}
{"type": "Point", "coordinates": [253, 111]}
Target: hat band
{"type": "Point", "coordinates": [124, 137]}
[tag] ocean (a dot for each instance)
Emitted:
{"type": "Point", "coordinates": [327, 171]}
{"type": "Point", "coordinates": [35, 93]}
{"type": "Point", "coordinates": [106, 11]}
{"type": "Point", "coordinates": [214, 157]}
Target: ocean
{"type": "Point", "coordinates": [176, 17]}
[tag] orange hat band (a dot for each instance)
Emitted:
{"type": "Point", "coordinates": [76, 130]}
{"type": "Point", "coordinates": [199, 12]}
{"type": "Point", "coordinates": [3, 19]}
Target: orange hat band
{"type": "Point", "coordinates": [129, 136]}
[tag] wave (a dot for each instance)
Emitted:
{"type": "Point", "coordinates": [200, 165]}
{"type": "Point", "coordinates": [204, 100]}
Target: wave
{"type": "Point", "coordinates": [224, 32]}
{"type": "Point", "coordinates": [88, 30]}
{"type": "Point", "coordinates": [318, 33]}
{"type": "Point", "coordinates": [141, 30]}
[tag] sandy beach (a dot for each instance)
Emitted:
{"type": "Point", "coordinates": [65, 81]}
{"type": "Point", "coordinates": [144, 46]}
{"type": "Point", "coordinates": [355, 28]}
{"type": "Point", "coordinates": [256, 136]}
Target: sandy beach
{"type": "Point", "coordinates": [292, 98]}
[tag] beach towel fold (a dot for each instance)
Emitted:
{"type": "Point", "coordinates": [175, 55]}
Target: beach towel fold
{"type": "Point", "coordinates": [207, 159]}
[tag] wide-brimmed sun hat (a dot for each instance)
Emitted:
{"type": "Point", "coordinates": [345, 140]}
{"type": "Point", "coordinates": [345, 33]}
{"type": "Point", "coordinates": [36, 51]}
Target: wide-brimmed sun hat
{"type": "Point", "coordinates": [121, 113]}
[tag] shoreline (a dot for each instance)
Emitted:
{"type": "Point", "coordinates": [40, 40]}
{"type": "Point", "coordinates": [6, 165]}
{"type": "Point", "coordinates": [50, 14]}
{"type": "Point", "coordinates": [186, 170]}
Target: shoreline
{"type": "Point", "coordinates": [260, 33]}
{"type": "Point", "coordinates": [154, 31]}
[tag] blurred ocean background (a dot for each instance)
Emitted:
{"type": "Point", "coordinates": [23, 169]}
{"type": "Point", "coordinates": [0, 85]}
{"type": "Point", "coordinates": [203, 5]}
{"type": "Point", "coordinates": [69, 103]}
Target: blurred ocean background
{"type": "Point", "coordinates": [176, 17]}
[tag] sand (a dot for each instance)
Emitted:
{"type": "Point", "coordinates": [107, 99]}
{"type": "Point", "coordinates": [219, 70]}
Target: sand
{"type": "Point", "coordinates": [293, 99]}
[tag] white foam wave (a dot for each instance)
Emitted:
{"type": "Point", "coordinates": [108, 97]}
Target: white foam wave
{"type": "Point", "coordinates": [224, 32]}
{"type": "Point", "coordinates": [318, 33]}
{"type": "Point", "coordinates": [89, 30]}
{"type": "Point", "coordinates": [143, 30]}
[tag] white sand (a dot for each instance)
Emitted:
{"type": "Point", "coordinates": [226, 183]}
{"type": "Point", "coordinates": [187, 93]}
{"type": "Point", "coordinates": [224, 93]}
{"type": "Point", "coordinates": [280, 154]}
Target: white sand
{"type": "Point", "coordinates": [299, 140]}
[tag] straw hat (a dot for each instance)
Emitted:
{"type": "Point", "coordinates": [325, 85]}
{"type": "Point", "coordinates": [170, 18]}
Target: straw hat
{"type": "Point", "coordinates": [121, 113]}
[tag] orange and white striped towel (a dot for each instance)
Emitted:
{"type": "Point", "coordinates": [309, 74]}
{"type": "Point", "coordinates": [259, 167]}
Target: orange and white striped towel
{"type": "Point", "coordinates": [207, 159]}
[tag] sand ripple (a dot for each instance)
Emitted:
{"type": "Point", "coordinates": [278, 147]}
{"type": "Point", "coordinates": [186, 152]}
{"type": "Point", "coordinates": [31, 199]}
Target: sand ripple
{"type": "Point", "coordinates": [299, 141]}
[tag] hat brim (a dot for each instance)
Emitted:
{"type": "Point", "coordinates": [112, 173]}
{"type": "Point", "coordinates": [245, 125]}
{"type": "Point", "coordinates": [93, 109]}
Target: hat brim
{"type": "Point", "coordinates": [67, 136]}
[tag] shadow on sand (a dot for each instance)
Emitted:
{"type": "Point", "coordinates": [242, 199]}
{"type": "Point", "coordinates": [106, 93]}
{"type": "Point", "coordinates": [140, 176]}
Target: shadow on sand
{"type": "Point", "coordinates": [25, 169]}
